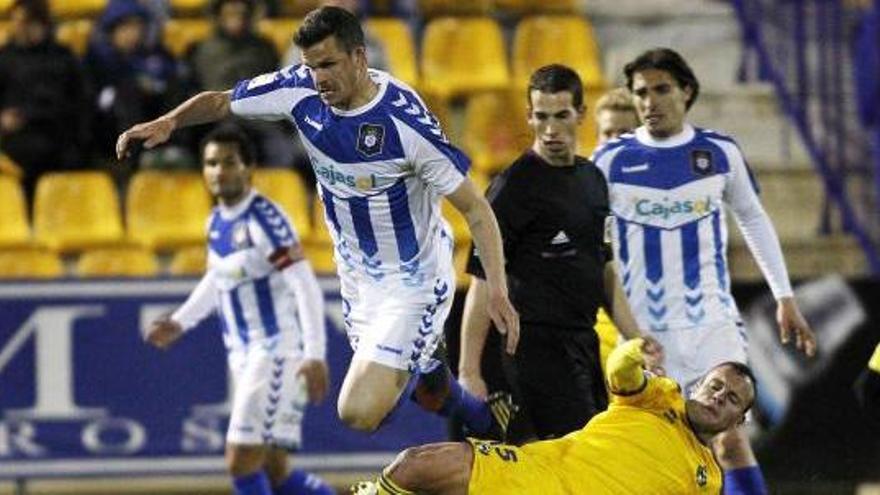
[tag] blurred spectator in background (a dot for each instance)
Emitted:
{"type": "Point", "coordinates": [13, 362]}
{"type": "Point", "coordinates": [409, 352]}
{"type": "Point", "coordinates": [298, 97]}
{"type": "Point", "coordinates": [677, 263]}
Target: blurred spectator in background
{"type": "Point", "coordinates": [44, 109]}
{"type": "Point", "coordinates": [615, 114]}
{"type": "Point", "coordinates": [235, 51]}
{"type": "Point", "coordinates": [160, 12]}
{"type": "Point", "coordinates": [132, 81]}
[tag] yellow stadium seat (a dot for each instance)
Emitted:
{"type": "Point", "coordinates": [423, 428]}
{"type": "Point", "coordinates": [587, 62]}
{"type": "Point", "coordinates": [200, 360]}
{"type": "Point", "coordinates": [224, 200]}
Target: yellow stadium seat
{"type": "Point", "coordinates": [547, 6]}
{"type": "Point", "coordinates": [288, 189]}
{"type": "Point", "coordinates": [4, 27]}
{"type": "Point", "coordinates": [76, 210]}
{"type": "Point", "coordinates": [463, 55]}
{"type": "Point", "coordinates": [30, 263]}
{"type": "Point", "coordinates": [166, 210]}
{"type": "Point", "coordinates": [319, 245]}
{"type": "Point", "coordinates": [66, 9]}
{"type": "Point", "coordinates": [496, 131]}
{"type": "Point", "coordinates": [400, 50]}
{"type": "Point", "coordinates": [180, 7]}
{"type": "Point", "coordinates": [280, 31]}
{"type": "Point", "coordinates": [117, 262]}
{"type": "Point", "coordinates": [569, 40]}
{"type": "Point", "coordinates": [74, 34]}
{"type": "Point", "coordinates": [431, 8]}
{"type": "Point", "coordinates": [14, 230]}
{"type": "Point", "coordinates": [189, 261]}
{"type": "Point", "coordinates": [180, 34]}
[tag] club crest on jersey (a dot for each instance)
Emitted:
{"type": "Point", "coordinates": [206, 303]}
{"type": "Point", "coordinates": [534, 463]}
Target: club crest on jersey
{"type": "Point", "coordinates": [702, 475]}
{"type": "Point", "coordinates": [241, 238]}
{"type": "Point", "coordinates": [371, 137]}
{"type": "Point", "coordinates": [701, 162]}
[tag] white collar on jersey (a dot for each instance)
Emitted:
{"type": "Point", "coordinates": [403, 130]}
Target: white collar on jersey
{"type": "Point", "coordinates": [381, 79]}
{"type": "Point", "coordinates": [228, 213]}
{"type": "Point", "coordinates": [679, 139]}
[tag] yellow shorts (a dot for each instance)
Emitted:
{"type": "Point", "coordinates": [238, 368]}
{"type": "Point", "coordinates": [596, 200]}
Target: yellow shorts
{"type": "Point", "coordinates": [529, 470]}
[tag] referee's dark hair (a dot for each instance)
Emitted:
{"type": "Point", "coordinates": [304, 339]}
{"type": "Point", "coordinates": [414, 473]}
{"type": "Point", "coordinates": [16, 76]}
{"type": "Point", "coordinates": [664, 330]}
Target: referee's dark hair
{"type": "Point", "coordinates": [555, 78]}
{"type": "Point", "coordinates": [330, 21]}
{"type": "Point", "coordinates": [230, 134]}
{"type": "Point", "coordinates": [668, 60]}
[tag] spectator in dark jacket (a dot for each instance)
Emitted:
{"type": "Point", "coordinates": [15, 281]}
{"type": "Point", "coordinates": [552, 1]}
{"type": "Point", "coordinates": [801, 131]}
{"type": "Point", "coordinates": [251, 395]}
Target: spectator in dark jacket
{"type": "Point", "coordinates": [236, 51]}
{"type": "Point", "coordinates": [43, 102]}
{"type": "Point", "coordinates": [133, 82]}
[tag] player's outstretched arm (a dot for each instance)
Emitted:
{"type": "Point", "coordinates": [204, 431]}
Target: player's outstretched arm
{"type": "Point", "coordinates": [163, 332]}
{"type": "Point", "coordinates": [793, 324]}
{"type": "Point", "coordinates": [487, 238]}
{"type": "Point", "coordinates": [205, 107]}
{"type": "Point", "coordinates": [475, 323]}
{"type": "Point", "coordinates": [200, 303]}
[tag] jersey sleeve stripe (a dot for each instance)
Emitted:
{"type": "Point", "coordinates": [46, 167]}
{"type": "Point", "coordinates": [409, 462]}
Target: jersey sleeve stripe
{"type": "Point", "coordinates": [363, 227]}
{"type": "Point", "coordinates": [266, 306]}
{"type": "Point", "coordinates": [404, 231]}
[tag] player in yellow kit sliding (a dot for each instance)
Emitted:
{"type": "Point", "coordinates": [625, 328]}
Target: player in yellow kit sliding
{"type": "Point", "coordinates": [650, 440]}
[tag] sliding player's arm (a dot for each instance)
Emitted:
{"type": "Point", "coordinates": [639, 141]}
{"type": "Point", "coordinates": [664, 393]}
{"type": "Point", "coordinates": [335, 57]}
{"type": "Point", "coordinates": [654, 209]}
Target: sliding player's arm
{"type": "Point", "coordinates": [625, 370]}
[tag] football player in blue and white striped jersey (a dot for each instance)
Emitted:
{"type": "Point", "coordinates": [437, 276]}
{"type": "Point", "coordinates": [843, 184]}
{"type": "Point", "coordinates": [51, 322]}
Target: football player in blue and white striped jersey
{"type": "Point", "coordinates": [272, 313]}
{"type": "Point", "coordinates": [668, 184]}
{"type": "Point", "coordinates": [382, 164]}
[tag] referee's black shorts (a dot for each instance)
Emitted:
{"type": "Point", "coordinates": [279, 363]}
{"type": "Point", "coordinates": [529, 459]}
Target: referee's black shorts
{"type": "Point", "coordinates": [556, 379]}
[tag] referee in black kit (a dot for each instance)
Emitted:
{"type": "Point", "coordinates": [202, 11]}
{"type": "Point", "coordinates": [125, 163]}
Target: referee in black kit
{"type": "Point", "coordinates": [551, 206]}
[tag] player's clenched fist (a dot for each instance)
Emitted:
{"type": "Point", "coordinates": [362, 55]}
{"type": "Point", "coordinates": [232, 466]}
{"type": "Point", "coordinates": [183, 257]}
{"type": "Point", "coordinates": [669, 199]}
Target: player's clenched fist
{"type": "Point", "coordinates": [163, 332]}
{"type": "Point", "coordinates": [151, 133]}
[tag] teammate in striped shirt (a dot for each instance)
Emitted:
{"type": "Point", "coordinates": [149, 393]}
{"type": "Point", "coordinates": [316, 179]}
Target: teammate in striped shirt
{"type": "Point", "coordinates": [272, 313]}
{"type": "Point", "coordinates": [668, 183]}
{"type": "Point", "coordinates": [382, 164]}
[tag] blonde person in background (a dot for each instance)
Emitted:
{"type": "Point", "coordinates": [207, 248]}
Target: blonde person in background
{"type": "Point", "coordinates": [615, 114]}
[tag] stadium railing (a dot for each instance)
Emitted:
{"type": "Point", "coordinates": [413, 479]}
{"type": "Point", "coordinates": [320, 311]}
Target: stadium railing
{"type": "Point", "coordinates": [804, 48]}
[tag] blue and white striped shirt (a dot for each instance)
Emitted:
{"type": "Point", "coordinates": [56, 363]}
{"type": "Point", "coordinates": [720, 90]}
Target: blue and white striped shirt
{"type": "Point", "coordinates": [670, 234]}
{"type": "Point", "coordinates": [248, 246]}
{"type": "Point", "coordinates": [381, 169]}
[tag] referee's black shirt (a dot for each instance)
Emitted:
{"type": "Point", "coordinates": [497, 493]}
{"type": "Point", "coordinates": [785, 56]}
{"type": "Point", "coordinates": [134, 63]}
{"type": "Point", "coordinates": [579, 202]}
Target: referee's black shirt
{"type": "Point", "coordinates": [552, 222]}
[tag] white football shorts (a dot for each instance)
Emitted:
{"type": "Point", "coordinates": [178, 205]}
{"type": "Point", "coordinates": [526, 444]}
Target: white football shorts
{"type": "Point", "coordinates": [691, 352]}
{"type": "Point", "coordinates": [395, 324]}
{"type": "Point", "coordinates": [269, 398]}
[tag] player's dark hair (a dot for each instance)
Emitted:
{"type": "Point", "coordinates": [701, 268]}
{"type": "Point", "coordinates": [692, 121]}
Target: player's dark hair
{"type": "Point", "coordinates": [36, 10]}
{"type": "Point", "coordinates": [745, 372]}
{"type": "Point", "coordinates": [667, 60]}
{"type": "Point", "coordinates": [228, 134]}
{"type": "Point", "coordinates": [330, 21]}
{"type": "Point", "coordinates": [555, 78]}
